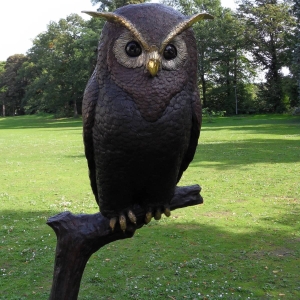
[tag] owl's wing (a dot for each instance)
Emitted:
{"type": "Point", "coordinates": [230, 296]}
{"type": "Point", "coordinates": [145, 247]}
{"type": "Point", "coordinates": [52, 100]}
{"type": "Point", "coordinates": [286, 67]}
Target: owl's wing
{"type": "Point", "coordinates": [90, 98]}
{"type": "Point", "coordinates": [195, 132]}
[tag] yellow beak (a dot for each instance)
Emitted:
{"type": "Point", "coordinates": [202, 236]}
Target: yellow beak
{"type": "Point", "coordinates": [153, 66]}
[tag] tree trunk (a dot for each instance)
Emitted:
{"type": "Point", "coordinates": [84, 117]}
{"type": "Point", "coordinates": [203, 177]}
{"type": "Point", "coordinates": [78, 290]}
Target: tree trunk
{"type": "Point", "coordinates": [228, 90]}
{"type": "Point", "coordinates": [204, 99]}
{"type": "Point", "coordinates": [202, 79]}
{"type": "Point", "coordinates": [275, 80]}
{"type": "Point", "coordinates": [235, 79]}
{"type": "Point", "coordinates": [235, 67]}
{"type": "Point", "coordinates": [75, 109]}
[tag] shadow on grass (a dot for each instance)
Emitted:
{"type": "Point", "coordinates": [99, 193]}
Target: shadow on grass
{"type": "Point", "coordinates": [263, 120]}
{"type": "Point", "coordinates": [187, 257]}
{"type": "Point", "coordinates": [257, 124]}
{"type": "Point", "coordinates": [237, 153]}
{"type": "Point", "coordinates": [284, 125]}
{"type": "Point", "coordinates": [284, 129]}
{"type": "Point", "coordinates": [32, 121]}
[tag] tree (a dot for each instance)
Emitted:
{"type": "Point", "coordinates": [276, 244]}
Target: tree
{"type": "Point", "coordinates": [12, 86]}
{"type": "Point", "coordinates": [111, 5]}
{"type": "Point", "coordinates": [2, 67]}
{"type": "Point", "coordinates": [224, 68]}
{"type": "Point", "coordinates": [59, 66]}
{"type": "Point", "coordinates": [2, 86]}
{"type": "Point", "coordinates": [296, 54]}
{"type": "Point", "coordinates": [228, 69]}
{"type": "Point", "coordinates": [268, 23]}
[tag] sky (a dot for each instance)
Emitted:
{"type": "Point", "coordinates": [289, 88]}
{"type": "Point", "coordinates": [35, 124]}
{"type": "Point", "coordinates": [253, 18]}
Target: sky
{"type": "Point", "coordinates": [21, 21]}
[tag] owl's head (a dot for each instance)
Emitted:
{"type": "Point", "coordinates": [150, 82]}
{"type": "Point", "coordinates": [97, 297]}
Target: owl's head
{"type": "Point", "coordinates": [149, 51]}
{"type": "Point", "coordinates": [152, 38]}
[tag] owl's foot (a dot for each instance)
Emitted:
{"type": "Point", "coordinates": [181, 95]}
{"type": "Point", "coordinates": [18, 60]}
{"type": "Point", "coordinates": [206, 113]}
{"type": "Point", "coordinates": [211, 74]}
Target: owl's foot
{"type": "Point", "coordinates": [156, 213]}
{"type": "Point", "coordinates": [122, 220]}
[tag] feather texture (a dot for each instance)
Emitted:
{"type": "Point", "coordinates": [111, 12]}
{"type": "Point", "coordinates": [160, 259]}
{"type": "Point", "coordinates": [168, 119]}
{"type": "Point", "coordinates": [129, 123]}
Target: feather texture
{"type": "Point", "coordinates": [141, 131]}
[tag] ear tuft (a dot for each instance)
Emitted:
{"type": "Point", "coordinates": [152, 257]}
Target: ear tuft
{"type": "Point", "coordinates": [198, 17]}
{"type": "Point", "coordinates": [110, 17]}
{"type": "Point", "coordinates": [118, 19]}
{"type": "Point", "coordinates": [184, 25]}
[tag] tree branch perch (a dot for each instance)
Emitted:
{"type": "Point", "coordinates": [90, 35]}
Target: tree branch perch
{"type": "Point", "coordinates": [79, 236]}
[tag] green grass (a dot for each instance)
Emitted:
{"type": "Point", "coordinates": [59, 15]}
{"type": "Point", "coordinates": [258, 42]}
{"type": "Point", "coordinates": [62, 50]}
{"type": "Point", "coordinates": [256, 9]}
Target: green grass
{"type": "Point", "coordinates": [242, 243]}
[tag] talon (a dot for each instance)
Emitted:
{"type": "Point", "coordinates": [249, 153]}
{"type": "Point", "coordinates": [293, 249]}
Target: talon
{"type": "Point", "coordinates": [148, 217]}
{"type": "Point", "coordinates": [157, 215]}
{"type": "Point", "coordinates": [130, 228]}
{"type": "Point", "coordinates": [112, 223]}
{"type": "Point", "coordinates": [122, 221]}
{"type": "Point", "coordinates": [132, 217]}
{"type": "Point", "coordinates": [167, 211]}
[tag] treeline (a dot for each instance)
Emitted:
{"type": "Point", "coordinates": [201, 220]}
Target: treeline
{"type": "Point", "coordinates": [52, 76]}
{"type": "Point", "coordinates": [261, 37]}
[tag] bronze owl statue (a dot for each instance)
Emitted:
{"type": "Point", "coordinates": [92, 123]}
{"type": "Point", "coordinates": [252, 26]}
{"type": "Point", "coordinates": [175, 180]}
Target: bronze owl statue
{"type": "Point", "coordinates": [141, 110]}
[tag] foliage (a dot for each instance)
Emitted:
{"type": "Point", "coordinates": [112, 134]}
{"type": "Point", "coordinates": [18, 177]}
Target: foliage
{"type": "Point", "coordinates": [242, 243]}
{"type": "Point", "coordinates": [233, 49]}
{"type": "Point", "coordinates": [296, 55]}
{"type": "Point", "coordinates": [59, 65]}
{"type": "Point", "coordinates": [2, 86]}
{"type": "Point", "coordinates": [12, 86]}
{"type": "Point", "coordinates": [223, 65]}
{"type": "Point", "coordinates": [111, 5]}
{"type": "Point", "coordinates": [209, 115]}
{"type": "Point", "coordinates": [268, 27]}
{"type": "Point", "coordinates": [2, 66]}
{"type": "Point", "coordinates": [295, 111]}
{"type": "Point", "coordinates": [289, 89]}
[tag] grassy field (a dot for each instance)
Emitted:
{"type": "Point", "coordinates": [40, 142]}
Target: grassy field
{"type": "Point", "coordinates": [242, 243]}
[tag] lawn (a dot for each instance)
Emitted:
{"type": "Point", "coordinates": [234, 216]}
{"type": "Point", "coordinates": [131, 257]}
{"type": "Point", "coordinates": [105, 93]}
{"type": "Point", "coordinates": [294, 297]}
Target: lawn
{"type": "Point", "coordinates": [242, 243]}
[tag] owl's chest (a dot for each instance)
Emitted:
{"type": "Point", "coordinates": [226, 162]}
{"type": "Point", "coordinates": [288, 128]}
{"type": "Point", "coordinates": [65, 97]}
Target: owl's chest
{"type": "Point", "coordinates": [120, 126]}
{"type": "Point", "coordinates": [151, 95]}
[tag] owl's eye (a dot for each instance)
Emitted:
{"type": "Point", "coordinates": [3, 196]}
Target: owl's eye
{"type": "Point", "coordinates": [133, 49]}
{"type": "Point", "coordinates": [170, 52]}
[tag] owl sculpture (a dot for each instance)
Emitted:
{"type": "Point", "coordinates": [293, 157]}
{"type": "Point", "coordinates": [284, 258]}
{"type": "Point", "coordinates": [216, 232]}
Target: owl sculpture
{"type": "Point", "coordinates": [141, 110]}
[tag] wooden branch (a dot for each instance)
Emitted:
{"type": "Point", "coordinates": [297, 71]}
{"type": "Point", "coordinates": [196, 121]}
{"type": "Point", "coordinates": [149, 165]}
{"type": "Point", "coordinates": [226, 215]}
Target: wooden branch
{"type": "Point", "coordinates": [79, 236]}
